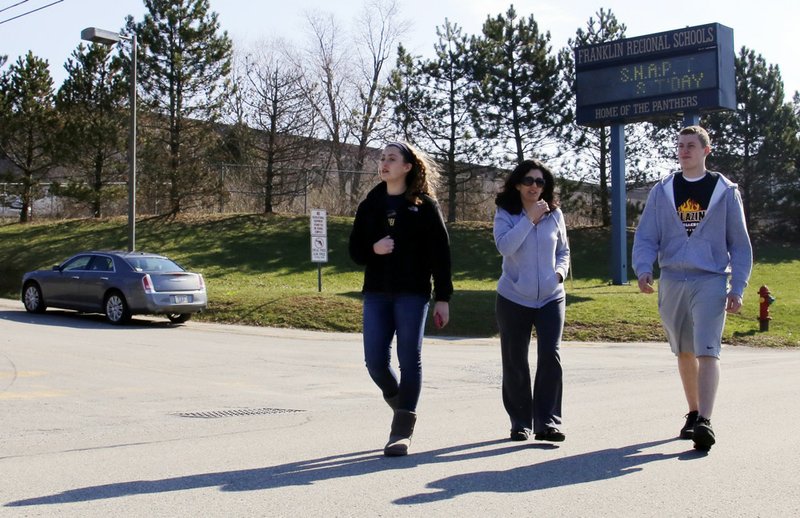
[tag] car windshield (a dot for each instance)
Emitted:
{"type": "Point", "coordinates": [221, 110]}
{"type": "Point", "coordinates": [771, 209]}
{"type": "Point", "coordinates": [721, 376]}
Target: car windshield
{"type": "Point", "coordinates": [153, 264]}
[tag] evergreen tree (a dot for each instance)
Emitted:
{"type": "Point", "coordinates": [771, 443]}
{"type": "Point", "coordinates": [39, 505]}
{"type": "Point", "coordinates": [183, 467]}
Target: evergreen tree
{"type": "Point", "coordinates": [93, 104]}
{"type": "Point", "coordinates": [521, 98]}
{"type": "Point", "coordinates": [757, 145]}
{"type": "Point", "coordinates": [586, 151]}
{"type": "Point", "coordinates": [183, 75]}
{"type": "Point", "coordinates": [404, 93]}
{"type": "Point", "coordinates": [431, 99]}
{"type": "Point", "coordinates": [28, 124]}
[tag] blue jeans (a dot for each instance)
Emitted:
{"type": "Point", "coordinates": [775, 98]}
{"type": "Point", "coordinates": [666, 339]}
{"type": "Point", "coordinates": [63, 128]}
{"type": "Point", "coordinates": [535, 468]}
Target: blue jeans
{"type": "Point", "coordinates": [403, 314]}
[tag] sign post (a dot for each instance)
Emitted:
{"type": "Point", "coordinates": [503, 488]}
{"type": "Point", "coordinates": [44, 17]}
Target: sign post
{"type": "Point", "coordinates": [619, 241]}
{"type": "Point", "coordinates": [319, 241]}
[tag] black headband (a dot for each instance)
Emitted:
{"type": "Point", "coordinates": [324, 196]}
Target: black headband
{"type": "Point", "coordinates": [405, 150]}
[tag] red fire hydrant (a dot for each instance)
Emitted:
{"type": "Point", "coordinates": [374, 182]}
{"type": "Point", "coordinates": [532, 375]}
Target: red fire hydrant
{"type": "Point", "coordinates": [764, 301]}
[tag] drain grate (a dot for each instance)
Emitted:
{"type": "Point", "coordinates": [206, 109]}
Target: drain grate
{"type": "Point", "coordinates": [213, 414]}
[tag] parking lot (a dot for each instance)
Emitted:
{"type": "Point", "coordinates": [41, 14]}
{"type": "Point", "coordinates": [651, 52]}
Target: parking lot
{"type": "Point", "coordinates": [153, 419]}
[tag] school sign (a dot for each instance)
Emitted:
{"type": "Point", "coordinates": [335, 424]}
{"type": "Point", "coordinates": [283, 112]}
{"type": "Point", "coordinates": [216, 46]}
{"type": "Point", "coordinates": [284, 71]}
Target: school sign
{"type": "Point", "coordinates": [688, 70]}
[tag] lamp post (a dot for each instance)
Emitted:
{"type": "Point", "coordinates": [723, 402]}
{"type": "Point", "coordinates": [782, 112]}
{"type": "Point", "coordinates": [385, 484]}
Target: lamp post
{"type": "Point", "coordinates": [96, 35]}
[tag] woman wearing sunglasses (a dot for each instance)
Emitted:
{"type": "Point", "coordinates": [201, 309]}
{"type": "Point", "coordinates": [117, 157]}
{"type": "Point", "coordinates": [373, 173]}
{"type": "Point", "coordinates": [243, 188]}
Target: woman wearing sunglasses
{"type": "Point", "coordinates": [531, 235]}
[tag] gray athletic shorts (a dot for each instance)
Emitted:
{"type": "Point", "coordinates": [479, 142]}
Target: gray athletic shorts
{"type": "Point", "coordinates": [693, 313]}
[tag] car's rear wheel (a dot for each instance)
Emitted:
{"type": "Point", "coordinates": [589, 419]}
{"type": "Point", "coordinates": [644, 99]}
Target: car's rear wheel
{"type": "Point", "coordinates": [117, 311]}
{"type": "Point", "coordinates": [32, 298]}
{"type": "Point", "coordinates": [179, 318]}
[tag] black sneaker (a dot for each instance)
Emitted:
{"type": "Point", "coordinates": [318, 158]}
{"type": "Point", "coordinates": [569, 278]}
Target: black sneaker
{"type": "Point", "coordinates": [551, 434]}
{"type": "Point", "coordinates": [520, 435]}
{"type": "Point", "coordinates": [688, 428]}
{"type": "Point", "coordinates": [703, 434]}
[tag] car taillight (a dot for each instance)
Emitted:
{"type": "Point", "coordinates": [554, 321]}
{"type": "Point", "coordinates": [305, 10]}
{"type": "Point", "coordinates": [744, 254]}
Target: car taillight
{"type": "Point", "coordinates": [202, 282]}
{"type": "Point", "coordinates": [147, 284]}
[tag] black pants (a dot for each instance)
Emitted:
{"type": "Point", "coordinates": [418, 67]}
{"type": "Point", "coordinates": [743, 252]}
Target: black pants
{"type": "Point", "coordinates": [540, 408]}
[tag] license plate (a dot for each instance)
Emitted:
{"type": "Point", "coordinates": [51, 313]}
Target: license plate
{"type": "Point", "coordinates": [181, 299]}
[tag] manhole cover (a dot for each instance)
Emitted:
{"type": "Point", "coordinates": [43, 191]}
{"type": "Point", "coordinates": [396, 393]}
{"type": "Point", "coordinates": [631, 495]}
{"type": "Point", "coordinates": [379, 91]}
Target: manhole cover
{"type": "Point", "coordinates": [212, 414]}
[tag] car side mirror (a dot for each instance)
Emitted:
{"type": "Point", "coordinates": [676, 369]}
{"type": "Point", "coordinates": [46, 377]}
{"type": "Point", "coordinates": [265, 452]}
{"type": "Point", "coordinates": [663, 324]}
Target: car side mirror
{"type": "Point", "coordinates": [55, 267]}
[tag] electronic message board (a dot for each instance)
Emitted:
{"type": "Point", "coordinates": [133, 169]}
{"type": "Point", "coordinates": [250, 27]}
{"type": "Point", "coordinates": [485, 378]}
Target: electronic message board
{"type": "Point", "coordinates": [687, 70]}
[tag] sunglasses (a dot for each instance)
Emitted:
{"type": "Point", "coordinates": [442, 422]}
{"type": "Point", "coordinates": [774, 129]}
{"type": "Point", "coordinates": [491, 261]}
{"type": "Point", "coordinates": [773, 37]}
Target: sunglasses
{"type": "Point", "coordinates": [530, 180]}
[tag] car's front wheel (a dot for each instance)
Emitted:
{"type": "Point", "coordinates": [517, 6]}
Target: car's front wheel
{"type": "Point", "coordinates": [32, 298]}
{"type": "Point", "coordinates": [179, 318]}
{"type": "Point", "coordinates": [117, 311]}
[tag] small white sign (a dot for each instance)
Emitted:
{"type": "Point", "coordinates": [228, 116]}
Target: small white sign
{"type": "Point", "coordinates": [319, 249]}
{"type": "Point", "coordinates": [319, 222]}
{"type": "Point", "coordinates": [319, 236]}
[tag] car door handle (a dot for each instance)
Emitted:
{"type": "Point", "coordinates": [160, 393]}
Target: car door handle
{"type": "Point", "coordinates": [103, 278]}
{"type": "Point", "coordinates": [76, 276]}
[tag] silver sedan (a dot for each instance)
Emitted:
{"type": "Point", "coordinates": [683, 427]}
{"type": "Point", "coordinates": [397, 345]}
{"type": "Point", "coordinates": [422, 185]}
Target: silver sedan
{"type": "Point", "coordinates": [117, 284]}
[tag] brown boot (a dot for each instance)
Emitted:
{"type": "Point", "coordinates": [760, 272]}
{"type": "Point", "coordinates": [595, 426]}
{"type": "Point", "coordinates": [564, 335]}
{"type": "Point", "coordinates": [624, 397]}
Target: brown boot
{"type": "Point", "coordinates": [400, 436]}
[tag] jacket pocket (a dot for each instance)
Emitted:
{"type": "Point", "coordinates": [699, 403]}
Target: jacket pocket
{"type": "Point", "coordinates": [549, 285]}
{"type": "Point", "coordinates": [700, 256]}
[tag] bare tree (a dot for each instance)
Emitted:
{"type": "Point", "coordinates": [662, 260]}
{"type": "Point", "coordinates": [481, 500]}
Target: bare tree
{"type": "Point", "coordinates": [378, 28]}
{"type": "Point", "coordinates": [326, 87]}
{"type": "Point", "coordinates": [285, 121]}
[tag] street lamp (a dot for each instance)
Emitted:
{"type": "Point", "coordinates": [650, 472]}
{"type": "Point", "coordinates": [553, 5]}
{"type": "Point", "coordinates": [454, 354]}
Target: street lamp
{"type": "Point", "coordinates": [104, 37]}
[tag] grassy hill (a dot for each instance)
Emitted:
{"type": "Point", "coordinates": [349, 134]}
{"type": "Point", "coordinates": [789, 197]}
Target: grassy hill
{"type": "Point", "coordinates": [258, 272]}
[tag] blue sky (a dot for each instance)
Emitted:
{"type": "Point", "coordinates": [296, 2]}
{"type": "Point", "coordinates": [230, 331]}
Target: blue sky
{"type": "Point", "coordinates": [767, 27]}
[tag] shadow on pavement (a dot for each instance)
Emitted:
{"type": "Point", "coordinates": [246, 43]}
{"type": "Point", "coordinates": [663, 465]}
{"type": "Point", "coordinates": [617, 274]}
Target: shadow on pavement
{"type": "Point", "coordinates": [579, 469]}
{"type": "Point", "coordinates": [76, 320]}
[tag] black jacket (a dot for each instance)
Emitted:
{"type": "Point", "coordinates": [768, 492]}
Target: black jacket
{"type": "Point", "coordinates": [421, 247]}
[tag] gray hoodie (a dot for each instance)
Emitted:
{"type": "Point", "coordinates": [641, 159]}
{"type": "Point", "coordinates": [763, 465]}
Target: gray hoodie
{"type": "Point", "coordinates": [532, 256]}
{"type": "Point", "coordinates": [719, 245]}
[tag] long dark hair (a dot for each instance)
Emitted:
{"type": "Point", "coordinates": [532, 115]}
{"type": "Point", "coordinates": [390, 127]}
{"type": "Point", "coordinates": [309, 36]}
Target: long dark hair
{"type": "Point", "coordinates": [423, 176]}
{"type": "Point", "coordinates": [509, 198]}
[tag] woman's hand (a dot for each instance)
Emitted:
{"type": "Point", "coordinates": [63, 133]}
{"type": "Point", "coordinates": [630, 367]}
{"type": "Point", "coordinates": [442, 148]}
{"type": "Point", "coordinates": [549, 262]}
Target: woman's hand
{"type": "Point", "coordinates": [384, 246]}
{"type": "Point", "coordinates": [539, 209]}
{"type": "Point", "coordinates": [441, 314]}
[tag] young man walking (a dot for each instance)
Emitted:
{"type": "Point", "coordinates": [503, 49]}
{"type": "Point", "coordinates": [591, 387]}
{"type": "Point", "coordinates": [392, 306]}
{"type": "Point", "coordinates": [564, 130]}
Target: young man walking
{"type": "Point", "coordinates": [693, 224]}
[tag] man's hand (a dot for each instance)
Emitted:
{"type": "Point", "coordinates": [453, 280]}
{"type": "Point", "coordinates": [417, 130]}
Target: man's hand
{"type": "Point", "coordinates": [734, 303]}
{"type": "Point", "coordinates": [646, 283]}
